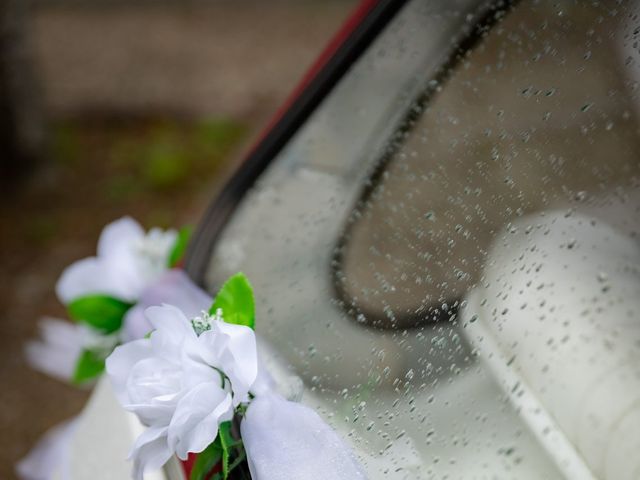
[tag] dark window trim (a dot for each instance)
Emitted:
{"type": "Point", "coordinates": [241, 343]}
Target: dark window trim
{"type": "Point", "coordinates": [221, 209]}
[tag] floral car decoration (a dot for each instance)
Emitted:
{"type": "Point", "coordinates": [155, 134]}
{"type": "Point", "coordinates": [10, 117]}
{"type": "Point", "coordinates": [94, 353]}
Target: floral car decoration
{"type": "Point", "coordinates": [185, 364]}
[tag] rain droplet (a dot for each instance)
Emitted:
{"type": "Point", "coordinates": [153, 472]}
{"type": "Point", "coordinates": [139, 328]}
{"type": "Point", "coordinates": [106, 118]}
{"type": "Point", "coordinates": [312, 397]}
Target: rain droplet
{"type": "Point", "coordinates": [586, 107]}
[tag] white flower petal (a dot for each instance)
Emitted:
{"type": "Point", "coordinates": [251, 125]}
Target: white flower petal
{"type": "Point", "coordinates": [195, 423]}
{"type": "Point", "coordinates": [233, 347]}
{"type": "Point", "coordinates": [58, 350]}
{"type": "Point", "coordinates": [197, 372]}
{"type": "Point", "coordinates": [286, 440]}
{"type": "Point", "coordinates": [92, 276]}
{"type": "Point", "coordinates": [153, 415]}
{"type": "Point", "coordinates": [154, 387]}
{"type": "Point", "coordinates": [170, 320]}
{"type": "Point", "coordinates": [120, 363]}
{"type": "Point", "coordinates": [150, 451]}
{"type": "Point", "coordinates": [171, 331]}
{"type": "Point", "coordinates": [118, 237]}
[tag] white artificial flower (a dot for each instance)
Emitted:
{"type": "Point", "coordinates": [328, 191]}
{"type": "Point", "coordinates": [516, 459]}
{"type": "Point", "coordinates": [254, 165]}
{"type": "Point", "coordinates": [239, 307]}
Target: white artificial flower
{"type": "Point", "coordinates": [128, 261]}
{"type": "Point", "coordinates": [61, 344]}
{"type": "Point", "coordinates": [173, 382]}
{"type": "Point", "coordinates": [286, 440]}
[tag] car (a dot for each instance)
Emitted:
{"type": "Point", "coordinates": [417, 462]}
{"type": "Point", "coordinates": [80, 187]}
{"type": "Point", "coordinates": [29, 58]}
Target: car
{"type": "Point", "coordinates": [442, 231]}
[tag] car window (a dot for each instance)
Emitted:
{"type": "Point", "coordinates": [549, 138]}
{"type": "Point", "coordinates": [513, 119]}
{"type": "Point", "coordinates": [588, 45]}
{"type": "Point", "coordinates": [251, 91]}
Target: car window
{"type": "Point", "coordinates": [540, 116]}
{"type": "Point", "coordinates": [446, 256]}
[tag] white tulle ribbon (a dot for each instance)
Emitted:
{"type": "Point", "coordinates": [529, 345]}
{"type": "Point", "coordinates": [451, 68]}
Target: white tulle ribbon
{"type": "Point", "coordinates": [50, 457]}
{"type": "Point", "coordinates": [286, 440]}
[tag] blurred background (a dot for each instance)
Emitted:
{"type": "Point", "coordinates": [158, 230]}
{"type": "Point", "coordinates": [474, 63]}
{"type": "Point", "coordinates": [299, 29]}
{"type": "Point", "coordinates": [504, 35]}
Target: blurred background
{"type": "Point", "coordinates": [121, 107]}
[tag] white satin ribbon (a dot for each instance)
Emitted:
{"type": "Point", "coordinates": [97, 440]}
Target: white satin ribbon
{"type": "Point", "coordinates": [286, 440]}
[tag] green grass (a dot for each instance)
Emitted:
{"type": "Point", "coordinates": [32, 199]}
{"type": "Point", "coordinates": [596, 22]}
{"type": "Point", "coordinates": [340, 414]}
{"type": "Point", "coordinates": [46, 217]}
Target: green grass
{"type": "Point", "coordinates": [127, 159]}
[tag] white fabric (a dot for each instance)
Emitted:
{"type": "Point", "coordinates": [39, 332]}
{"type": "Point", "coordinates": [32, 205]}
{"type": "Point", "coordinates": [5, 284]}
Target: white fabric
{"type": "Point", "coordinates": [286, 440]}
{"type": "Point", "coordinates": [50, 457]}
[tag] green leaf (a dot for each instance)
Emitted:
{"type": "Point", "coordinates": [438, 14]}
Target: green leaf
{"type": "Point", "coordinates": [88, 366]}
{"type": "Point", "coordinates": [206, 461]}
{"type": "Point", "coordinates": [179, 247]}
{"type": "Point", "coordinates": [227, 443]}
{"type": "Point", "coordinates": [235, 298]}
{"type": "Point", "coordinates": [240, 459]}
{"type": "Point", "coordinates": [102, 312]}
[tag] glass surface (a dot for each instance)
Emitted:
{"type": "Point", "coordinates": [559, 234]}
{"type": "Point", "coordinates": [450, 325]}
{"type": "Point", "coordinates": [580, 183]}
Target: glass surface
{"type": "Point", "coordinates": [447, 254]}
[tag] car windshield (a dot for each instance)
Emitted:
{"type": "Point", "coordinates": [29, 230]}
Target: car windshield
{"type": "Point", "coordinates": [446, 257]}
